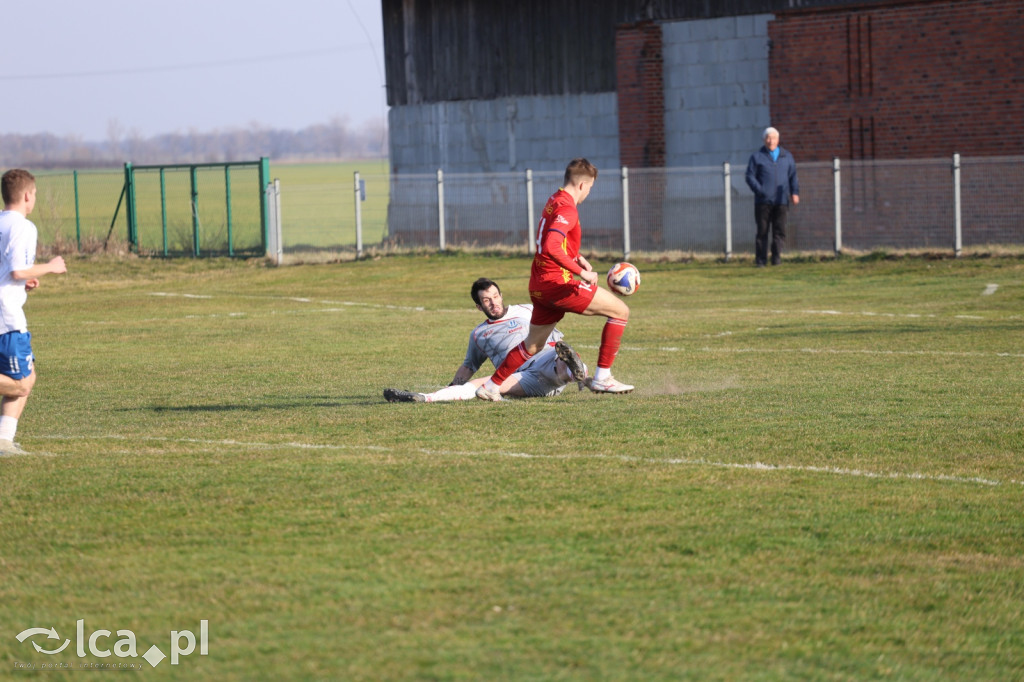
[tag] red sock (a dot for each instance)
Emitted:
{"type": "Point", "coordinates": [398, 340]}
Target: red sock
{"type": "Point", "coordinates": [515, 357]}
{"type": "Point", "coordinates": [611, 339]}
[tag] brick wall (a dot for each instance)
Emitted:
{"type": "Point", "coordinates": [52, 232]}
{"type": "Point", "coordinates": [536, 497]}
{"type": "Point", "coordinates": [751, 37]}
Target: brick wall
{"type": "Point", "coordinates": [921, 80]}
{"type": "Point", "coordinates": [641, 94]}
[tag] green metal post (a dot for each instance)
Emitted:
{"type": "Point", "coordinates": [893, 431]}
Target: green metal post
{"type": "Point", "coordinates": [195, 212]}
{"type": "Point", "coordinates": [129, 185]}
{"type": "Point", "coordinates": [78, 218]}
{"type": "Point", "coordinates": [163, 208]}
{"type": "Point", "coordinates": [227, 200]}
{"type": "Point", "coordinates": [264, 198]}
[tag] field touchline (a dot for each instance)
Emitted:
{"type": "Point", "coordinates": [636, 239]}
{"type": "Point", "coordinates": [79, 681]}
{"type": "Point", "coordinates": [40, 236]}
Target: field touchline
{"type": "Point", "coordinates": [812, 351]}
{"type": "Point", "coordinates": [866, 351]}
{"type": "Point", "coordinates": [300, 299]}
{"type": "Point", "coordinates": [671, 461]}
{"type": "Point", "coordinates": [869, 313]}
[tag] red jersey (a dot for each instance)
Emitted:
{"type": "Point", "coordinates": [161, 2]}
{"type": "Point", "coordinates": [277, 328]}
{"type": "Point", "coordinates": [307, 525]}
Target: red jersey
{"type": "Point", "coordinates": [558, 241]}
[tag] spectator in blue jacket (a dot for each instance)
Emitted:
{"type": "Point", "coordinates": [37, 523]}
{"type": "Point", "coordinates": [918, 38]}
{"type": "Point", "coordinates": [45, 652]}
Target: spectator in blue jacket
{"type": "Point", "coordinates": [771, 174]}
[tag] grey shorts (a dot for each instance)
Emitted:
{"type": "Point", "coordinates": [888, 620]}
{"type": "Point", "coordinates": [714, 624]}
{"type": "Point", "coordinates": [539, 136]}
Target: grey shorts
{"type": "Point", "coordinates": [537, 376]}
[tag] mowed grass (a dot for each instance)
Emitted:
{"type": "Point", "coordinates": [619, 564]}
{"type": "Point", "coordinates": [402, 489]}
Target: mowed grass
{"type": "Point", "coordinates": [818, 477]}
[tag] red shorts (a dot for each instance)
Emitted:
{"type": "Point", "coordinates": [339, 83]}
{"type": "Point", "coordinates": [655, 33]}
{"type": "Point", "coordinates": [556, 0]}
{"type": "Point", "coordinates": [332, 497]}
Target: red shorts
{"type": "Point", "coordinates": [552, 300]}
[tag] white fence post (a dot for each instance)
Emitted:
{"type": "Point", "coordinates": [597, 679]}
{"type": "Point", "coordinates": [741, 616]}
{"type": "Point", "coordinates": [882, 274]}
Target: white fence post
{"type": "Point", "coordinates": [359, 215]}
{"type": "Point", "coordinates": [838, 198]}
{"type": "Point", "coordinates": [268, 201]}
{"type": "Point", "coordinates": [275, 250]}
{"type": "Point", "coordinates": [625, 213]}
{"type": "Point", "coordinates": [958, 239]}
{"type": "Point", "coordinates": [529, 212]}
{"type": "Point", "coordinates": [726, 174]}
{"type": "Point", "coordinates": [440, 209]}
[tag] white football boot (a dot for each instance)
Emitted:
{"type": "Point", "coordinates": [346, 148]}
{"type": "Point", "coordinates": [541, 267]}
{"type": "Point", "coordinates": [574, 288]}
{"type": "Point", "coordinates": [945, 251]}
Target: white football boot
{"type": "Point", "coordinates": [609, 385]}
{"type": "Point", "coordinates": [483, 394]}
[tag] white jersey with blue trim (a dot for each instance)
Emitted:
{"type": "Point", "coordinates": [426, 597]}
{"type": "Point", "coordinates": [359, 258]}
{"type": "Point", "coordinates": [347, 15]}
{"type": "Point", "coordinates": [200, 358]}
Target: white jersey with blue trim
{"type": "Point", "coordinates": [493, 339]}
{"type": "Point", "coordinates": [17, 252]}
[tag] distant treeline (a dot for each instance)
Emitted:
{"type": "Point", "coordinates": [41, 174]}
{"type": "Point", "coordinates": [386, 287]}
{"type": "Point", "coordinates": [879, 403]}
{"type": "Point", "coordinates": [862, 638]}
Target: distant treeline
{"type": "Point", "coordinates": [329, 141]}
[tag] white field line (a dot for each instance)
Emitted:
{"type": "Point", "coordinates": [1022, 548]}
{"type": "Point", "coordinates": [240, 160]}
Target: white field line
{"type": "Point", "coordinates": [668, 349]}
{"type": "Point", "coordinates": [637, 349]}
{"type": "Point", "coordinates": [812, 351]}
{"type": "Point", "coordinates": [861, 313]}
{"type": "Point", "coordinates": [382, 306]}
{"type": "Point", "coordinates": [840, 351]}
{"type": "Point", "coordinates": [338, 307]}
{"type": "Point", "coordinates": [674, 461]}
{"type": "Point", "coordinates": [297, 299]}
{"type": "Point", "coordinates": [991, 288]}
{"type": "Point", "coordinates": [869, 313]}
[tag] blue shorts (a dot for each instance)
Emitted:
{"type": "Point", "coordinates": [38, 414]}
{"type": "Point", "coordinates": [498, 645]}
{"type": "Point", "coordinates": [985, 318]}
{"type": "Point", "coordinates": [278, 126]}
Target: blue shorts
{"type": "Point", "coordinates": [16, 354]}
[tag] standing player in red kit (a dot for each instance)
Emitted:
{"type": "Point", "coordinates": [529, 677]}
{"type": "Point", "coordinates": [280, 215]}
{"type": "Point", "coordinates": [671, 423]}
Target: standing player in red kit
{"type": "Point", "coordinates": [555, 292]}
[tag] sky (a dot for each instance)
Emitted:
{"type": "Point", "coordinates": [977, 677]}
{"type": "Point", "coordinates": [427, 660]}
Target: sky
{"type": "Point", "coordinates": [148, 67]}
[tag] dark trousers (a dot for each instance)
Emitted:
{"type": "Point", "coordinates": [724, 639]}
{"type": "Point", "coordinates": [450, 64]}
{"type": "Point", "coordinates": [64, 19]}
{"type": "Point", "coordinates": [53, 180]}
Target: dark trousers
{"type": "Point", "coordinates": [770, 218]}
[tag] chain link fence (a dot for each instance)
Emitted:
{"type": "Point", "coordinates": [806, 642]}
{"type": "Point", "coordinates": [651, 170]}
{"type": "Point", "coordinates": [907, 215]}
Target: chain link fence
{"type": "Point", "coordinates": [69, 221]}
{"type": "Point", "coordinates": [856, 205]}
{"type": "Point", "coordinates": [934, 204]}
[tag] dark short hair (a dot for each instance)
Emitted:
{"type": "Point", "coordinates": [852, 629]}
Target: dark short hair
{"type": "Point", "coordinates": [579, 168]}
{"type": "Point", "coordinates": [480, 285]}
{"type": "Point", "coordinates": [14, 182]}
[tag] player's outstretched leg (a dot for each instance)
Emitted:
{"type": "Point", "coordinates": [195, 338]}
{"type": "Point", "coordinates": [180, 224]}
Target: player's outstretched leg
{"type": "Point", "coordinates": [572, 360]}
{"type": "Point", "coordinates": [617, 312]}
{"type": "Point", "coordinates": [395, 395]}
{"type": "Point", "coordinates": [514, 359]}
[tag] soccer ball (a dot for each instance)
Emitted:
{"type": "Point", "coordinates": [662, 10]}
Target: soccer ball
{"type": "Point", "coordinates": [624, 279]}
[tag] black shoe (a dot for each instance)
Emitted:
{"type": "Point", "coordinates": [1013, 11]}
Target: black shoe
{"type": "Point", "coordinates": [572, 360]}
{"type": "Point", "coordinates": [394, 395]}
{"type": "Point", "coordinates": [775, 261]}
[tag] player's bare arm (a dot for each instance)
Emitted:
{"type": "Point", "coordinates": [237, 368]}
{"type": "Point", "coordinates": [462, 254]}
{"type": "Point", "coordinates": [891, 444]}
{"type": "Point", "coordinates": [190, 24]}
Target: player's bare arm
{"type": "Point", "coordinates": [54, 266]}
{"type": "Point", "coordinates": [462, 375]}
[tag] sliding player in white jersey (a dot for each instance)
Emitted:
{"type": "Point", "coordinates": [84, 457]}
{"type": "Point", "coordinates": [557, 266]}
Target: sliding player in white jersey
{"type": "Point", "coordinates": [545, 374]}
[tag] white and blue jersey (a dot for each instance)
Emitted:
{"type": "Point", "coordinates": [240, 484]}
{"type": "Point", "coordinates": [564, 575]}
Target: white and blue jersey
{"type": "Point", "coordinates": [17, 252]}
{"type": "Point", "coordinates": [493, 339]}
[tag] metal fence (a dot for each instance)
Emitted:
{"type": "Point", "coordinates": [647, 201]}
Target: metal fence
{"type": "Point", "coordinates": [936, 204]}
{"type": "Point", "coordinates": [944, 204]}
{"type": "Point", "coordinates": [78, 208]}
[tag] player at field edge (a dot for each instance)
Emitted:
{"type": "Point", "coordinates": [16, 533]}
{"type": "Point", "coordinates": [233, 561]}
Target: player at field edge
{"type": "Point", "coordinates": [554, 291]}
{"type": "Point", "coordinates": [18, 275]}
{"type": "Point", "coordinates": [546, 374]}
{"type": "Point", "coordinates": [771, 175]}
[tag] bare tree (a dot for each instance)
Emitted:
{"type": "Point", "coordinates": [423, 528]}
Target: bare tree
{"type": "Point", "coordinates": [114, 133]}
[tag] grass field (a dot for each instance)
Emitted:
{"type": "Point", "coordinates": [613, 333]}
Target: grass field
{"type": "Point", "coordinates": [818, 478]}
